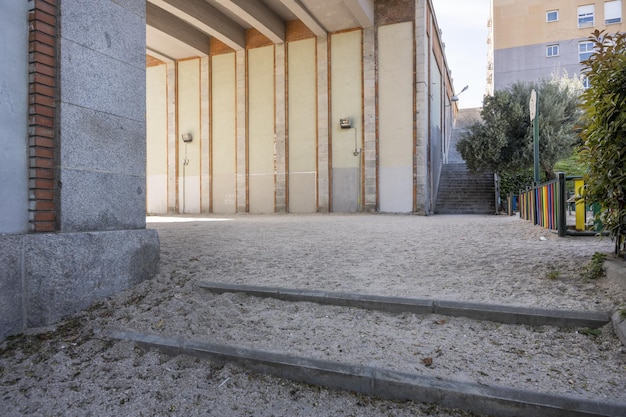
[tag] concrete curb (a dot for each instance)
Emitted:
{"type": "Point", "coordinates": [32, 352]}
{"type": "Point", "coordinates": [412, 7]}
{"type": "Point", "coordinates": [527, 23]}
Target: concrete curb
{"type": "Point", "coordinates": [619, 325]}
{"type": "Point", "coordinates": [491, 312]}
{"type": "Point", "coordinates": [492, 400]}
{"type": "Point", "coordinates": [615, 271]}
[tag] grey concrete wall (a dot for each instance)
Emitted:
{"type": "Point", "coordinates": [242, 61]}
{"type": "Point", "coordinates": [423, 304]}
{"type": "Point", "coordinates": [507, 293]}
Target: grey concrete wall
{"type": "Point", "coordinates": [102, 115]}
{"type": "Point", "coordinates": [14, 117]}
{"type": "Point", "coordinates": [529, 63]}
{"type": "Point", "coordinates": [11, 291]}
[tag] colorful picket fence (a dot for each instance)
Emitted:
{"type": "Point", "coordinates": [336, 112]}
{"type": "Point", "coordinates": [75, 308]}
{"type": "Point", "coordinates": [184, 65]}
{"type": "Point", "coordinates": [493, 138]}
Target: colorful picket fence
{"type": "Point", "coordinates": [541, 204]}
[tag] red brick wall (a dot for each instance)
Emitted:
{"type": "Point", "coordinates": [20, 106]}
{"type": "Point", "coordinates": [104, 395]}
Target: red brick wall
{"type": "Point", "coordinates": [42, 115]}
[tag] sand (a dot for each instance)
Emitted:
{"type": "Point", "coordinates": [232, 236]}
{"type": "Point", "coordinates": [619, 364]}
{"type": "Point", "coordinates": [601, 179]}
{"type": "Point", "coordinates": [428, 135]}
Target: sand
{"type": "Point", "coordinates": [76, 370]}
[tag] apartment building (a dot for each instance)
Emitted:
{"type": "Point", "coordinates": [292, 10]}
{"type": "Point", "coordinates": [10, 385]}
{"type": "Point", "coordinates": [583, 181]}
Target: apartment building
{"type": "Point", "coordinates": [533, 39]}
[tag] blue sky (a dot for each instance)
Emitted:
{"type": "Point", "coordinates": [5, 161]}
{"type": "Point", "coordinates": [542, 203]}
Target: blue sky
{"type": "Point", "coordinates": [464, 32]}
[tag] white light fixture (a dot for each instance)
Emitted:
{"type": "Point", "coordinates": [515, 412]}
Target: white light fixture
{"type": "Point", "coordinates": [456, 96]}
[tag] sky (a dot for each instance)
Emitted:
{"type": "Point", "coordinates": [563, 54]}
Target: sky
{"type": "Point", "coordinates": [464, 31]}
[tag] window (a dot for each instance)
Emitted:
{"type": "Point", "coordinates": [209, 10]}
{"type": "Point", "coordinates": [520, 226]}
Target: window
{"type": "Point", "coordinates": [552, 50]}
{"type": "Point", "coordinates": [552, 16]}
{"type": "Point", "coordinates": [612, 12]}
{"type": "Point", "coordinates": [585, 16]}
{"type": "Point", "coordinates": [586, 82]}
{"type": "Point", "coordinates": [585, 49]}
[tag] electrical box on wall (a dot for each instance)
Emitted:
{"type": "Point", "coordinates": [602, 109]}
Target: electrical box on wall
{"type": "Point", "coordinates": [187, 137]}
{"type": "Point", "coordinates": [345, 123]}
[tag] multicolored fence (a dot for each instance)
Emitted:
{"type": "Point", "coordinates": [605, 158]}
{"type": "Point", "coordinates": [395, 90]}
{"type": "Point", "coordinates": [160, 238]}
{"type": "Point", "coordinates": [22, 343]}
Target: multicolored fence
{"type": "Point", "coordinates": [546, 204]}
{"type": "Point", "coordinates": [541, 204]}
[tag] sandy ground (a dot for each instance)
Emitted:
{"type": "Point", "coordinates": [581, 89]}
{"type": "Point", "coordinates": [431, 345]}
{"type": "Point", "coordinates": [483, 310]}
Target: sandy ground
{"type": "Point", "coordinates": [76, 370]}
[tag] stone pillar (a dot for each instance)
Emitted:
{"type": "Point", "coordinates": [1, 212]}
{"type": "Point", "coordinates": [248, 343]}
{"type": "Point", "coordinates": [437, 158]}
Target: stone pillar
{"type": "Point", "coordinates": [205, 129]}
{"type": "Point", "coordinates": [172, 177]}
{"type": "Point", "coordinates": [422, 53]}
{"type": "Point", "coordinates": [280, 141]}
{"type": "Point", "coordinates": [242, 136]}
{"type": "Point", "coordinates": [370, 193]}
{"type": "Point", "coordinates": [323, 196]}
{"type": "Point", "coordinates": [101, 245]}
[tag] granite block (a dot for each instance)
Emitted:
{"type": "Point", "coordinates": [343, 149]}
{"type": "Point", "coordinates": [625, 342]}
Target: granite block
{"type": "Point", "coordinates": [67, 272]}
{"type": "Point", "coordinates": [102, 142]}
{"type": "Point", "coordinates": [95, 200]}
{"type": "Point", "coordinates": [92, 80]}
{"type": "Point", "coordinates": [108, 28]}
{"type": "Point", "coordinates": [10, 285]}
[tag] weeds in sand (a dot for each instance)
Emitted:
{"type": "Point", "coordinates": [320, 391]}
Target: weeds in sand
{"type": "Point", "coordinates": [594, 269]}
{"type": "Point", "coordinates": [554, 274]}
{"type": "Point", "coordinates": [590, 332]}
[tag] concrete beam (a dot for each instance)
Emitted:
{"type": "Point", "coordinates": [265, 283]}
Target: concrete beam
{"type": "Point", "coordinates": [303, 14]}
{"type": "Point", "coordinates": [259, 16]}
{"type": "Point", "coordinates": [177, 28]}
{"type": "Point", "coordinates": [159, 55]}
{"type": "Point", "coordinates": [363, 11]}
{"type": "Point", "coordinates": [206, 18]}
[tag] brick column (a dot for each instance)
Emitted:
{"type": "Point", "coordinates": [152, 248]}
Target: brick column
{"type": "Point", "coordinates": [370, 151]}
{"type": "Point", "coordinates": [280, 141]}
{"type": "Point", "coordinates": [42, 71]}
{"type": "Point", "coordinates": [323, 176]}
{"type": "Point", "coordinates": [242, 138]}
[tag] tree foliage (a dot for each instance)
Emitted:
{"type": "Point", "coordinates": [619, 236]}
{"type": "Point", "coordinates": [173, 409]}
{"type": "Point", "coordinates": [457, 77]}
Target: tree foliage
{"type": "Point", "coordinates": [503, 141]}
{"type": "Point", "coordinates": [604, 129]}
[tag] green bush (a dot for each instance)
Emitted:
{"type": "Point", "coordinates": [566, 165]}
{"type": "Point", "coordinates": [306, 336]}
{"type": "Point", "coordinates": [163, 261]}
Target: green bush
{"type": "Point", "coordinates": [604, 131]}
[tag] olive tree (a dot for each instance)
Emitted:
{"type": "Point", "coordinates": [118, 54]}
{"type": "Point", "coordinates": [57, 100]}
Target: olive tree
{"type": "Point", "coordinates": [604, 130]}
{"type": "Point", "coordinates": [502, 141]}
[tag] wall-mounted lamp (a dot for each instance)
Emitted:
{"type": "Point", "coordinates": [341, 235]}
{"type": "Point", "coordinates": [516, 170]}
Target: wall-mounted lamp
{"type": "Point", "coordinates": [345, 123]}
{"type": "Point", "coordinates": [456, 96]}
{"type": "Point", "coordinates": [187, 137]}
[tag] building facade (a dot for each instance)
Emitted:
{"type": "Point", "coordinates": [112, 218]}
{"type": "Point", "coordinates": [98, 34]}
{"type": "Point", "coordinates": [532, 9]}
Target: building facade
{"type": "Point", "coordinates": [533, 39]}
{"type": "Point", "coordinates": [299, 107]}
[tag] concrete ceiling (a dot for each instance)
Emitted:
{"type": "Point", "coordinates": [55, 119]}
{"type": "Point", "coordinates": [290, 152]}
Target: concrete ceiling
{"type": "Point", "coordinates": [178, 29]}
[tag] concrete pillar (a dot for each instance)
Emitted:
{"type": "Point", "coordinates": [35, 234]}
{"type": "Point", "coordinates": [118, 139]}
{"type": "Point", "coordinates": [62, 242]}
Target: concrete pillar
{"type": "Point", "coordinates": [280, 140]}
{"type": "Point", "coordinates": [172, 201]}
{"type": "Point", "coordinates": [101, 245]}
{"type": "Point", "coordinates": [370, 200]}
{"type": "Point", "coordinates": [323, 204]}
{"type": "Point", "coordinates": [205, 129]}
{"type": "Point", "coordinates": [422, 53]}
{"type": "Point", "coordinates": [242, 125]}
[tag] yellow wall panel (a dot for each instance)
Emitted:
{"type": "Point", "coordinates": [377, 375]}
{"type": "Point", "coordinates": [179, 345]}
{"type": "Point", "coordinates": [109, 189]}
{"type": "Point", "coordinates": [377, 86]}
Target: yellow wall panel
{"type": "Point", "coordinates": [261, 122]}
{"type": "Point", "coordinates": [189, 123]}
{"type": "Point", "coordinates": [302, 126]}
{"type": "Point", "coordinates": [156, 139]}
{"type": "Point", "coordinates": [223, 133]}
{"type": "Point", "coordinates": [395, 89]}
{"type": "Point", "coordinates": [346, 91]}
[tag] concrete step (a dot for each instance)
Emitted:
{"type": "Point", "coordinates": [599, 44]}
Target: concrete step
{"type": "Point", "coordinates": [289, 348]}
{"type": "Point", "coordinates": [461, 192]}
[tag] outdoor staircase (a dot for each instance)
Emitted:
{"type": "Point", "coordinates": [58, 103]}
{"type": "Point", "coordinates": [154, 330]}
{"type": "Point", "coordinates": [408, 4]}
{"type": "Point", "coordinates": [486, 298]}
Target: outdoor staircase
{"type": "Point", "coordinates": [418, 386]}
{"type": "Point", "coordinates": [461, 192]}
